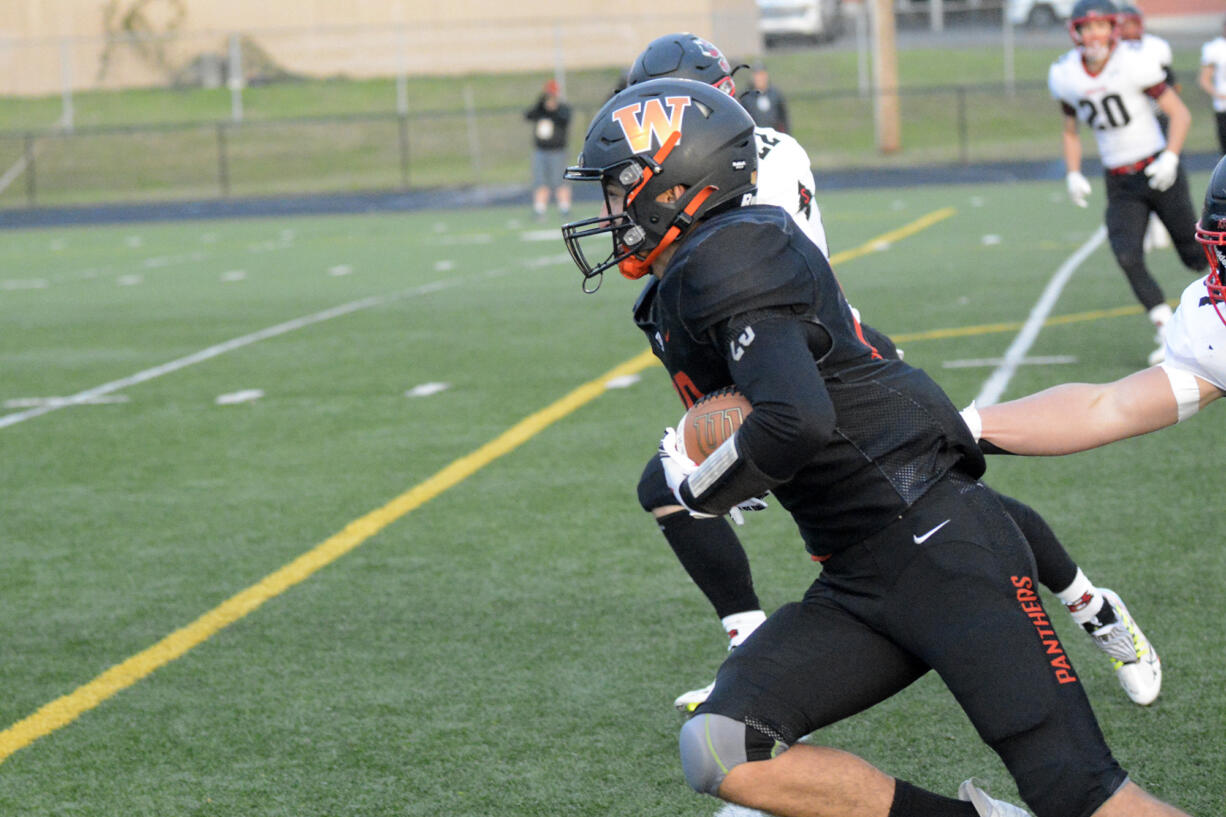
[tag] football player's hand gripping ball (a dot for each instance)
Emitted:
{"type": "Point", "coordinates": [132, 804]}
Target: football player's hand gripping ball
{"type": "Point", "coordinates": [1078, 187]}
{"type": "Point", "coordinates": [677, 466]}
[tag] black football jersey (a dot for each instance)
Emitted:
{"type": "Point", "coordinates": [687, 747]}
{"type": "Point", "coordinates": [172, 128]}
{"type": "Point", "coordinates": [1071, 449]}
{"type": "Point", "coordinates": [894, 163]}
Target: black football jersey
{"type": "Point", "coordinates": [748, 301]}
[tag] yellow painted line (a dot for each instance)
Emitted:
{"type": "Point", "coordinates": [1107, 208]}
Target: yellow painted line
{"type": "Point", "coordinates": [883, 241]}
{"type": "Point", "coordinates": [989, 328]}
{"type": "Point", "coordinates": [67, 708]}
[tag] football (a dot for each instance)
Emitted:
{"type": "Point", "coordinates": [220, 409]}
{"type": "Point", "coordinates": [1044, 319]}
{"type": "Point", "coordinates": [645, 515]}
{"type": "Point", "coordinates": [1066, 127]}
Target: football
{"type": "Point", "coordinates": [711, 421]}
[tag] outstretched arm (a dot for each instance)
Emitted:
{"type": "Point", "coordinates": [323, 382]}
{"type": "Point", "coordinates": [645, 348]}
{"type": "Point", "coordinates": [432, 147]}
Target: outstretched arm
{"type": "Point", "coordinates": [1079, 416]}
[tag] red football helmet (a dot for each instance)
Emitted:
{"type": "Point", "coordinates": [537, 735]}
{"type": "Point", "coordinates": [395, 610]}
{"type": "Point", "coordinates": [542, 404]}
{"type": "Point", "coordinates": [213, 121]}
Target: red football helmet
{"type": "Point", "coordinates": [1087, 10]}
{"type": "Point", "coordinates": [1131, 23]}
{"type": "Point", "coordinates": [1211, 233]}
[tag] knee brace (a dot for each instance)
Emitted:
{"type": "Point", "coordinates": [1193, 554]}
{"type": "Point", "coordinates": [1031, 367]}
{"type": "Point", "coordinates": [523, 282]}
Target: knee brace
{"type": "Point", "coordinates": [711, 746]}
{"type": "Point", "coordinates": [653, 487]}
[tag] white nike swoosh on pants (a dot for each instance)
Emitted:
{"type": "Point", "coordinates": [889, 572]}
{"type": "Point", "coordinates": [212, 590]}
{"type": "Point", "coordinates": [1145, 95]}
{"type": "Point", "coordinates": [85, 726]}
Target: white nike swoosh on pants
{"type": "Point", "coordinates": [919, 540]}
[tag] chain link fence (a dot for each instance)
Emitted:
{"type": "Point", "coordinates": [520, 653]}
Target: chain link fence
{"type": "Point", "coordinates": [207, 136]}
{"type": "Point", "coordinates": [385, 151]}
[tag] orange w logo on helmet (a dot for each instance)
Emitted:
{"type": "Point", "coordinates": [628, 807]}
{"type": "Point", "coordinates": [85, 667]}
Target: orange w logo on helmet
{"type": "Point", "coordinates": [644, 120]}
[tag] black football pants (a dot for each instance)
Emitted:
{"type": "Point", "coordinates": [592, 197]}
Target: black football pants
{"type": "Point", "coordinates": [1130, 200]}
{"type": "Point", "coordinates": [950, 586]}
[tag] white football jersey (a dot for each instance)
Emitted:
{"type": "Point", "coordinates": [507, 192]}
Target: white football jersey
{"type": "Point", "coordinates": [1113, 102]}
{"type": "Point", "coordinates": [1157, 48]}
{"type": "Point", "coordinates": [785, 179]}
{"type": "Point", "coordinates": [1154, 46]}
{"type": "Point", "coordinates": [1214, 53]}
{"type": "Point", "coordinates": [1196, 336]}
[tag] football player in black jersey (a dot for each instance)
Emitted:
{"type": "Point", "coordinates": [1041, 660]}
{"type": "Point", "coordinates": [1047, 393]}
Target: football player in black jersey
{"type": "Point", "coordinates": [923, 568]}
{"type": "Point", "coordinates": [709, 549]}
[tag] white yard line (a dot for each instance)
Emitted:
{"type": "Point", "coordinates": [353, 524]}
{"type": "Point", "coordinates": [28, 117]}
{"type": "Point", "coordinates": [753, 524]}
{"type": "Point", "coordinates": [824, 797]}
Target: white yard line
{"type": "Point", "coordinates": [199, 357]}
{"type": "Point", "coordinates": [996, 384]}
{"type": "Point", "coordinates": [246, 340]}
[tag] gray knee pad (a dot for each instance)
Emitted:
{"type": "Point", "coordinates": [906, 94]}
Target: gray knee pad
{"type": "Point", "coordinates": [711, 745]}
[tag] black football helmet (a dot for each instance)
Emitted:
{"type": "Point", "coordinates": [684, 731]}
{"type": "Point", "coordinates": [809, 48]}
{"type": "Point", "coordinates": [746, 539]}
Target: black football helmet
{"type": "Point", "coordinates": [1211, 233]}
{"type": "Point", "coordinates": [686, 56]}
{"type": "Point", "coordinates": [645, 141]}
{"type": "Point", "coordinates": [1086, 10]}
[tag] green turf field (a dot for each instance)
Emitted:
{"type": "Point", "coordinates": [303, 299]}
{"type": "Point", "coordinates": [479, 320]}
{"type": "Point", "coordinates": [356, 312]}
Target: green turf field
{"type": "Point", "coordinates": [337, 599]}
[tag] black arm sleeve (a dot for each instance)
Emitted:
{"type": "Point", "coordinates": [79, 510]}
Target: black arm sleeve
{"type": "Point", "coordinates": [771, 356]}
{"type": "Point", "coordinates": [992, 448]}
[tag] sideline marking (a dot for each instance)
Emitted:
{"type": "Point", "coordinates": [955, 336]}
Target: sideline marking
{"type": "Point", "coordinates": [235, 397]}
{"type": "Point", "coordinates": [427, 389]}
{"type": "Point", "coordinates": [67, 708]}
{"type": "Point", "coordinates": [30, 402]}
{"type": "Point", "coordinates": [237, 343]}
{"type": "Point", "coordinates": [996, 384]}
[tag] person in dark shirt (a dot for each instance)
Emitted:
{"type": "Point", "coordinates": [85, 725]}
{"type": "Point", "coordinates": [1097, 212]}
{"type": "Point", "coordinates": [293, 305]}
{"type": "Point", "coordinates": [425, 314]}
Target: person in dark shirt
{"type": "Point", "coordinates": [550, 118]}
{"type": "Point", "coordinates": [923, 569]}
{"type": "Point", "coordinates": [765, 103]}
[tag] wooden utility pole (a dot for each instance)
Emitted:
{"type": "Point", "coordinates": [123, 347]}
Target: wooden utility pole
{"type": "Point", "coordinates": [885, 72]}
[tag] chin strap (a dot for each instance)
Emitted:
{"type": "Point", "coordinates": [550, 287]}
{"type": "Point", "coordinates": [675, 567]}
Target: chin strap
{"type": "Point", "coordinates": [635, 268]}
{"type": "Point", "coordinates": [657, 164]}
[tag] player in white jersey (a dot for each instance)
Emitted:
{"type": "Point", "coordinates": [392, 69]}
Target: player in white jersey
{"type": "Point", "coordinates": [1109, 90]}
{"type": "Point", "coordinates": [1213, 80]}
{"type": "Point", "coordinates": [1078, 416]}
{"type": "Point", "coordinates": [785, 179]}
{"type": "Point", "coordinates": [1134, 35]}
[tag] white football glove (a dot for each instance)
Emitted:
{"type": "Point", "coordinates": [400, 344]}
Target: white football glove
{"type": "Point", "coordinates": [1163, 170]}
{"type": "Point", "coordinates": [1078, 187]}
{"type": "Point", "coordinates": [677, 466]}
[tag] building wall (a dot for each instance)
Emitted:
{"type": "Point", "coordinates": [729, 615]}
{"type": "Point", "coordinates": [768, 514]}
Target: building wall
{"type": "Point", "coordinates": [45, 44]}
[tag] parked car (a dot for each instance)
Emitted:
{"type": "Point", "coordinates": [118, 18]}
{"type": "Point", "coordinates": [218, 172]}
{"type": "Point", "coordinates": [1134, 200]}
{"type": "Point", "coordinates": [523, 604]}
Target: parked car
{"type": "Point", "coordinates": [812, 20]}
{"type": "Point", "coordinates": [1038, 13]}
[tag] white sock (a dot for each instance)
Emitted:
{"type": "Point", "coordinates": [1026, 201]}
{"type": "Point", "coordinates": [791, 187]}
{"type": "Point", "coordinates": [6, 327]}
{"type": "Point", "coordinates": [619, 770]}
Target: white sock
{"type": "Point", "coordinates": [1160, 315]}
{"type": "Point", "coordinates": [740, 625]}
{"type": "Point", "coordinates": [1081, 598]}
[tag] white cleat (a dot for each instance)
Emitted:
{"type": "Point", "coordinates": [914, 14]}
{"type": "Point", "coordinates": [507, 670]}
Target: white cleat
{"type": "Point", "coordinates": [693, 699]}
{"type": "Point", "coordinates": [1136, 664]}
{"type": "Point", "coordinates": [733, 810]}
{"type": "Point", "coordinates": [985, 806]}
{"type": "Point", "coordinates": [1156, 236]}
{"type": "Point", "coordinates": [1158, 355]}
